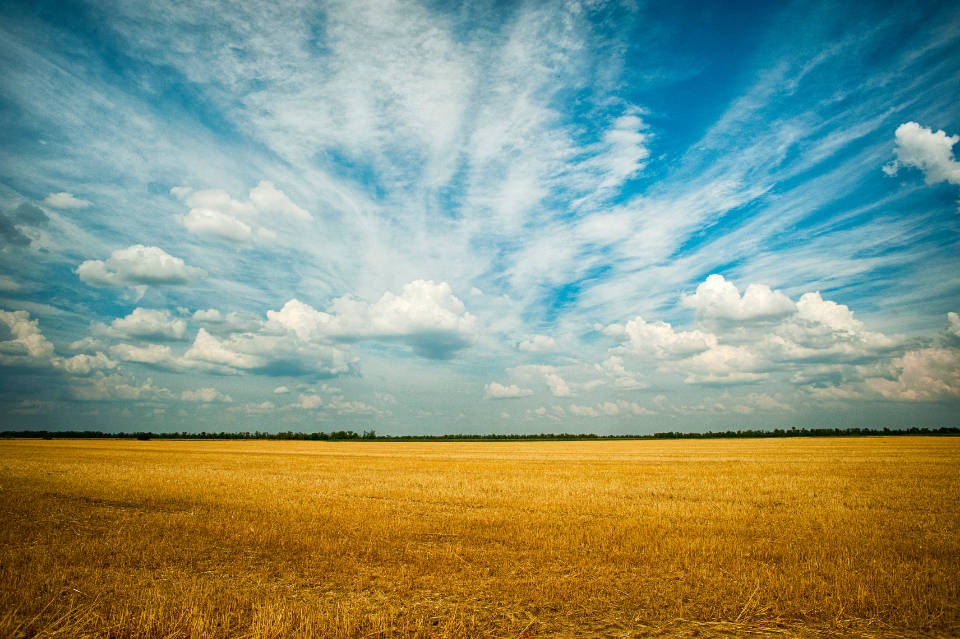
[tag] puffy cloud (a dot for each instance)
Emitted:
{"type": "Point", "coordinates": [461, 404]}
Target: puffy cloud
{"type": "Point", "coordinates": [84, 364]}
{"type": "Point", "coordinates": [722, 364]}
{"type": "Point", "coordinates": [269, 199]}
{"type": "Point", "coordinates": [425, 315]}
{"type": "Point", "coordinates": [232, 321]}
{"type": "Point", "coordinates": [210, 223]}
{"type": "Point", "coordinates": [267, 354]}
{"type": "Point", "coordinates": [64, 200]}
{"type": "Point", "coordinates": [280, 390]}
{"type": "Point", "coordinates": [207, 348]}
{"type": "Point", "coordinates": [558, 386]}
{"type": "Point", "coordinates": [718, 298]}
{"type": "Point", "coordinates": [953, 324]}
{"type": "Point", "coordinates": [104, 387]}
{"type": "Point", "coordinates": [138, 265]}
{"type": "Point", "coordinates": [144, 323]}
{"type": "Point", "coordinates": [929, 151]}
{"type": "Point", "coordinates": [922, 375]}
{"type": "Point", "coordinates": [824, 330]}
{"type": "Point", "coordinates": [153, 354]}
{"type": "Point", "coordinates": [537, 344]}
{"type": "Point", "coordinates": [614, 368]}
{"type": "Point", "coordinates": [660, 339]}
{"type": "Point", "coordinates": [310, 402]}
{"type": "Point", "coordinates": [610, 409]}
{"type": "Point", "coordinates": [213, 213]}
{"type": "Point", "coordinates": [205, 395]}
{"type": "Point", "coordinates": [27, 346]}
{"type": "Point", "coordinates": [493, 390]}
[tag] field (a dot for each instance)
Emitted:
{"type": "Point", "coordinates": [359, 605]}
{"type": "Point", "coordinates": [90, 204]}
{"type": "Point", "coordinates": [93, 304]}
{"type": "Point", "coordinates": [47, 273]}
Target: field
{"type": "Point", "coordinates": [788, 537]}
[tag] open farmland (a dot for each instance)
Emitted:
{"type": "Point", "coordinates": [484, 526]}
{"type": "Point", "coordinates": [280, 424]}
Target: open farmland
{"type": "Point", "coordinates": [800, 537]}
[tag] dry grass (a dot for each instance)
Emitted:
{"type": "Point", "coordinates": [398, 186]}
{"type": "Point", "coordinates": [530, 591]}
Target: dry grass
{"type": "Point", "coordinates": [810, 538]}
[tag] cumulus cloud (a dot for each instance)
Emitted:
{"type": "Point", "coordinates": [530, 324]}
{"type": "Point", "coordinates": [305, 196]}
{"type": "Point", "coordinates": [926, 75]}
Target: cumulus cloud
{"type": "Point", "coordinates": [144, 323]}
{"type": "Point", "coordinates": [558, 386]}
{"type": "Point", "coordinates": [493, 390]}
{"type": "Point", "coordinates": [153, 354]}
{"type": "Point", "coordinates": [213, 213]}
{"type": "Point", "coordinates": [537, 344]}
{"type": "Point", "coordinates": [722, 364]}
{"type": "Point", "coordinates": [425, 315]}
{"type": "Point", "coordinates": [267, 354]}
{"type": "Point", "coordinates": [953, 324]}
{"type": "Point", "coordinates": [27, 346]}
{"type": "Point", "coordinates": [84, 364]}
{"type": "Point", "coordinates": [115, 387]}
{"type": "Point", "coordinates": [659, 339]}
{"type": "Point", "coordinates": [205, 395]}
{"type": "Point", "coordinates": [922, 375]}
{"type": "Point", "coordinates": [929, 151]}
{"type": "Point", "coordinates": [64, 200]}
{"type": "Point", "coordinates": [823, 330]}
{"type": "Point", "coordinates": [718, 298]}
{"type": "Point", "coordinates": [138, 265]}
{"type": "Point", "coordinates": [267, 198]}
{"type": "Point", "coordinates": [337, 404]}
{"type": "Point", "coordinates": [210, 223]}
{"type": "Point", "coordinates": [620, 407]}
{"type": "Point", "coordinates": [613, 367]}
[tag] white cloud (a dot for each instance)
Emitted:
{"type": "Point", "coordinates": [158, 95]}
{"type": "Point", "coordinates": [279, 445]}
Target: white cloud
{"type": "Point", "coordinates": [923, 375]}
{"type": "Point", "coordinates": [210, 223]}
{"type": "Point", "coordinates": [138, 265]}
{"type": "Point", "coordinates": [929, 151]}
{"type": "Point", "coordinates": [280, 390]}
{"type": "Point", "coordinates": [426, 315]}
{"type": "Point", "coordinates": [722, 364]}
{"type": "Point", "coordinates": [155, 354]}
{"type": "Point", "coordinates": [213, 213]}
{"type": "Point", "coordinates": [103, 387]}
{"type": "Point", "coordinates": [269, 199]}
{"type": "Point", "coordinates": [205, 395]}
{"type": "Point", "coordinates": [614, 368]}
{"type": "Point", "coordinates": [310, 402]}
{"type": "Point", "coordinates": [558, 386]}
{"type": "Point", "coordinates": [27, 346]}
{"type": "Point", "coordinates": [493, 390]}
{"type": "Point", "coordinates": [659, 339]}
{"type": "Point", "coordinates": [718, 298]}
{"type": "Point", "coordinates": [84, 364]}
{"type": "Point", "coordinates": [537, 344]}
{"type": "Point", "coordinates": [145, 323]}
{"type": "Point", "coordinates": [953, 324]}
{"type": "Point", "coordinates": [210, 315]}
{"type": "Point", "coordinates": [207, 348]}
{"type": "Point", "coordinates": [65, 200]}
{"type": "Point", "coordinates": [619, 407]}
{"type": "Point", "coordinates": [267, 354]}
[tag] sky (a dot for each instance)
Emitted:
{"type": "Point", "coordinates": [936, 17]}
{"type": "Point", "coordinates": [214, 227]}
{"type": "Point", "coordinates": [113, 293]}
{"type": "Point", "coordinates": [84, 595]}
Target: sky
{"type": "Point", "coordinates": [494, 217]}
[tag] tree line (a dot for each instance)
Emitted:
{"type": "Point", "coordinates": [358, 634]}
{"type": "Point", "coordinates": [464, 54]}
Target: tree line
{"type": "Point", "coordinates": [371, 435]}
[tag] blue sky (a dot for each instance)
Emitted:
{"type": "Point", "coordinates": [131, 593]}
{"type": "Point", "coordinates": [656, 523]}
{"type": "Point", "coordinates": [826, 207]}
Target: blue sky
{"type": "Point", "coordinates": [501, 217]}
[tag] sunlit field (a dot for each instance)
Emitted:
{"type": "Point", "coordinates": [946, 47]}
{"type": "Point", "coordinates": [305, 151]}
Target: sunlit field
{"type": "Point", "coordinates": [802, 537]}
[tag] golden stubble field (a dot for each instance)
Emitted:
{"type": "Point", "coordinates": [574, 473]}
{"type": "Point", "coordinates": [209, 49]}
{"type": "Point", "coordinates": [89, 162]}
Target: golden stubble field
{"type": "Point", "coordinates": [805, 537]}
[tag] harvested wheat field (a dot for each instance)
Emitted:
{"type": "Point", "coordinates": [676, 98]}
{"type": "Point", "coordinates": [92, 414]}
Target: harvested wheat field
{"type": "Point", "coordinates": [804, 537]}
